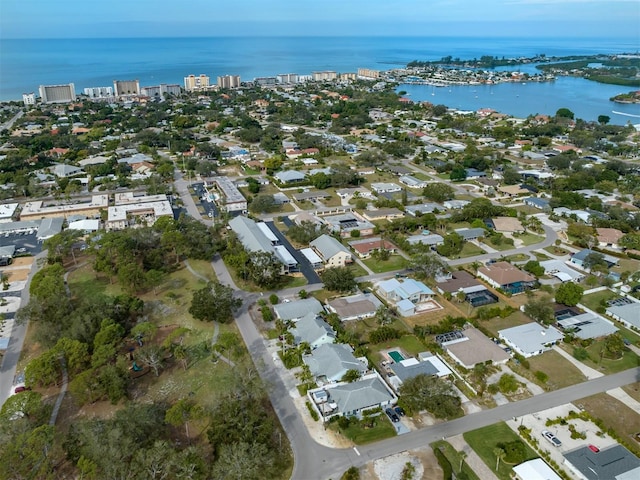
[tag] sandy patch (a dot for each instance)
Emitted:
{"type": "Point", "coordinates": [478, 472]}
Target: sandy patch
{"type": "Point", "coordinates": [322, 435]}
{"type": "Point", "coordinates": [10, 304]}
{"type": "Point", "coordinates": [17, 275]}
{"type": "Point", "coordinates": [390, 468]}
{"type": "Point", "coordinates": [22, 262]}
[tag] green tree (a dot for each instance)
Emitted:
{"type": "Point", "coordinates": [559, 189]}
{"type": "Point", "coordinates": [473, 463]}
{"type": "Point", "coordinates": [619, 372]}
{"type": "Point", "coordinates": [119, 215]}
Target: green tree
{"type": "Point", "coordinates": [263, 203]}
{"type": "Point", "coordinates": [533, 267]}
{"type": "Point", "coordinates": [451, 246]}
{"type": "Point", "coordinates": [350, 376]}
{"type": "Point", "coordinates": [339, 279]}
{"type": "Point", "coordinates": [613, 346]}
{"type": "Point", "coordinates": [508, 383]}
{"type": "Point", "coordinates": [540, 310]}
{"type": "Point", "coordinates": [426, 265]}
{"type": "Point", "coordinates": [425, 392]}
{"type": "Point", "coordinates": [565, 113]}
{"type": "Point", "coordinates": [182, 412]}
{"type": "Point", "coordinates": [569, 294]}
{"type": "Point", "coordinates": [604, 119]}
{"type": "Point", "coordinates": [351, 474]}
{"type": "Point", "coordinates": [214, 303]}
{"type": "Point", "coordinates": [438, 192]}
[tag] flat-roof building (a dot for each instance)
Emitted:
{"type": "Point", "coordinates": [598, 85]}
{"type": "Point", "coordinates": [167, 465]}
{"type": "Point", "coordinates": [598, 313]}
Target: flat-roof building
{"type": "Point", "coordinates": [37, 209]}
{"type": "Point", "coordinates": [7, 210]}
{"type": "Point", "coordinates": [231, 199]}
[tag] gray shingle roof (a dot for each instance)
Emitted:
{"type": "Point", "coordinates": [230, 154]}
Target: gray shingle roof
{"type": "Point", "coordinates": [311, 328]}
{"type": "Point", "coordinates": [360, 395]}
{"type": "Point", "coordinates": [404, 373]}
{"type": "Point", "coordinates": [608, 463]}
{"type": "Point", "coordinates": [333, 360]}
{"type": "Point", "coordinates": [328, 246]}
{"type": "Point", "coordinates": [297, 309]}
{"type": "Point", "coordinates": [250, 235]}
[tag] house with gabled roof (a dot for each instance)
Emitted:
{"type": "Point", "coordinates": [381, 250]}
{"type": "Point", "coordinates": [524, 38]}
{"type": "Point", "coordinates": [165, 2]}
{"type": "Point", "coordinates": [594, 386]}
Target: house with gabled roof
{"type": "Point", "coordinates": [531, 338]}
{"type": "Point", "coordinates": [352, 399]}
{"type": "Point", "coordinates": [355, 307]}
{"type": "Point", "coordinates": [330, 361]}
{"type": "Point", "coordinates": [608, 237]}
{"type": "Point", "coordinates": [331, 251]}
{"type": "Point", "coordinates": [294, 311]}
{"type": "Point", "coordinates": [313, 330]}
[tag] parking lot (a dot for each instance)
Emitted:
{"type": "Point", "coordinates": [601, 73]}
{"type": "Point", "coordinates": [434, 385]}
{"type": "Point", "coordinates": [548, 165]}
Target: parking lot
{"type": "Point", "coordinates": [24, 242]}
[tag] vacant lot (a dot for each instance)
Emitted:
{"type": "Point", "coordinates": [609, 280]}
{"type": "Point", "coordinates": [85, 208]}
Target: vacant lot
{"type": "Point", "coordinates": [485, 440]}
{"type": "Point", "coordinates": [616, 415]}
{"type": "Point", "coordinates": [561, 372]}
{"type": "Point", "coordinates": [395, 262]}
{"type": "Point", "coordinates": [498, 323]}
{"type": "Point", "coordinates": [594, 300]}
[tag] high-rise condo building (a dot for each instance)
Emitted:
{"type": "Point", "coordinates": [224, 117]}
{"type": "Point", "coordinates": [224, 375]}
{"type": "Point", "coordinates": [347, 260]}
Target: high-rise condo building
{"type": "Point", "coordinates": [287, 78]}
{"type": "Point", "coordinates": [58, 93]}
{"type": "Point", "coordinates": [368, 73]}
{"type": "Point", "coordinates": [126, 87]}
{"type": "Point", "coordinates": [194, 84]}
{"type": "Point", "coordinates": [323, 76]}
{"type": "Point", "coordinates": [29, 99]}
{"type": "Point", "coordinates": [161, 90]}
{"type": "Point", "coordinates": [229, 81]}
{"type": "Point", "coordinates": [98, 92]}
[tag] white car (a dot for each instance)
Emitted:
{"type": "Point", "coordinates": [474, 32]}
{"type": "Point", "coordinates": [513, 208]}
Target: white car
{"type": "Point", "coordinates": [555, 441]}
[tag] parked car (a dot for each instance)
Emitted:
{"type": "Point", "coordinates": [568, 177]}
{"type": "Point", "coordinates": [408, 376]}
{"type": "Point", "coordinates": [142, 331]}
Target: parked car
{"type": "Point", "coordinates": [392, 415]}
{"type": "Point", "coordinates": [553, 440]}
{"type": "Point", "coordinates": [20, 388]}
{"type": "Point", "coordinates": [399, 411]}
{"type": "Point", "coordinates": [594, 449]}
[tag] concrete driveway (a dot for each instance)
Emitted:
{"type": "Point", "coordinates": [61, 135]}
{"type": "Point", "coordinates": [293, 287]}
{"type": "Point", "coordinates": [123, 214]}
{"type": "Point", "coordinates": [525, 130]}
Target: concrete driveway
{"type": "Point", "coordinates": [305, 267]}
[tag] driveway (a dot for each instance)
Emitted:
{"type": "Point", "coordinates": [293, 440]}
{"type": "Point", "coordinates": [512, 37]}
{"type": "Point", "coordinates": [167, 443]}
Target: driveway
{"type": "Point", "coordinates": [305, 267]}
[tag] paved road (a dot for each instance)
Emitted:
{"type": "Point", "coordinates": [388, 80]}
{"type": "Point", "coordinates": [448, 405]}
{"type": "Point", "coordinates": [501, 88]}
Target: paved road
{"type": "Point", "coordinates": [12, 354]}
{"type": "Point", "coordinates": [9, 123]}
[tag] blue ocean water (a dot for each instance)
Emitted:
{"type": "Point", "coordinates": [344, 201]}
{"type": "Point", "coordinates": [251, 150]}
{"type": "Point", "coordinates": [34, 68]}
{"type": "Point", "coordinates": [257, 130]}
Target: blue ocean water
{"type": "Point", "coordinates": [25, 64]}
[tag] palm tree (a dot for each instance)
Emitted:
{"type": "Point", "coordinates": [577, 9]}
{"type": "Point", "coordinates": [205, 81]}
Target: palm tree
{"type": "Point", "coordinates": [463, 455]}
{"type": "Point", "coordinates": [499, 453]}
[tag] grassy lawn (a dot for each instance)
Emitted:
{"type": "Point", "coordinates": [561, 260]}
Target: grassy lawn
{"type": "Point", "coordinates": [541, 256]}
{"type": "Point", "coordinates": [395, 262]}
{"type": "Point", "coordinates": [454, 458]}
{"type": "Point", "coordinates": [411, 344]}
{"type": "Point", "coordinates": [498, 323]}
{"type": "Point", "coordinates": [518, 257]}
{"type": "Point", "coordinates": [357, 270]}
{"type": "Point", "coordinates": [294, 281]}
{"type": "Point", "coordinates": [561, 372]}
{"type": "Point", "coordinates": [470, 250]}
{"type": "Point", "coordinates": [593, 300]}
{"type": "Point", "coordinates": [484, 440]}
{"type": "Point", "coordinates": [529, 238]}
{"type": "Point", "coordinates": [606, 365]}
{"type": "Point", "coordinates": [558, 251]}
{"type": "Point", "coordinates": [204, 268]}
{"type": "Point", "coordinates": [633, 390]}
{"type": "Point", "coordinates": [614, 414]}
{"type": "Point", "coordinates": [500, 248]}
{"type": "Point", "coordinates": [84, 282]}
{"type": "Point", "coordinates": [359, 435]}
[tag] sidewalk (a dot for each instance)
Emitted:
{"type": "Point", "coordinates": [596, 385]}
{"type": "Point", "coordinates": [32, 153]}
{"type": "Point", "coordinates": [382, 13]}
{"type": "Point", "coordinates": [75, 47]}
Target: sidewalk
{"type": "Point", "coordinates": [473, 460]}
{"type": "Point", "coordinates": [625, 398]}
{"type": "Point", "coordinates": [588, 372]}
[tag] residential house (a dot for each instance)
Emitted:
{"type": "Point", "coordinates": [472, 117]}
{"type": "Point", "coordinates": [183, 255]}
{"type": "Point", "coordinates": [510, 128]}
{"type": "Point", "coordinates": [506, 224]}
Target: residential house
{"type": "Point", "coordinates": [474, 291]}
{"type": "Point", "coordinates": [561, 271]}
{"type": "Point", "coordinates": [469, 234]}
{"type": "Point", "coordinates": [313, 258]}
{"type": "Point", "coordinates": [350, 192]}
{"type": "Point", "coordinates": [473, 173]}
{"type": "Point", "coordinates": [288, 177]}
{"type": "Point", "coordinates": [431, 240]}
{"type": "Point", "coordinates": [513, 190]}
{"type": "Point", "coordinates": [49, 227]}
{"type": "Point", "coordinates": [258, 237]}
{"type": "Point", "coordinates": [352, 399]}
{"type": "Point", "coordinates": [507, 277]}
{"type": "Point", "coordinates": [386, 187]}
{"type": "Point", "coordinates": [535, 469]}
{"type": "Point", "coordinates": [586, 325]}
{"type": "Point", "coordinates": [307, 217]}
{"type": "Point", "coordinates": [470, 347]}
{"type": "Point", "coordinates": [416, 210]}
{"type": "Point", "coordinates": [331, 361]}
{"type": "Point", "coordinates": [295, 310]}
{"type": "Point", "coordinates": [365, 248]}
{"type": "Point", "coordinates": [311, 196]}
{"type": "Point", "coordinates": [628, 315]}
{"type": "Point", "coordinates": [425, 364]}
{"type": "Point", "coordinates": [578, 258]}
{"type": "Point", "coordinates": [536, 202]}
{"type": "Point", "coordinates": [581, 215]}
{"type": "Point", "coordinates": [609, 237]}
{"type": "Point", "coordinates": [383, 214]}
{"type": "Point", "coordinates": [455, 204]}
{"type": "Point", "coordinates": [313, 330]}
{"type": "Point", "coordinates": [405, 295]}
{"type": "Point", "coordinates": [614, 462]}
{"type": "Point", "coordinates": [531, 338]}
{"type": "Point", "coordinates": [412, 182]}
{"type": "Point", "coordinates": [62, 170]}
{"type": "Point", "coordinates": [355, 307]}
{"type": "Point", "coordinates": [331, 251]}
{"type": "Point", "coordinates": [346, 223]}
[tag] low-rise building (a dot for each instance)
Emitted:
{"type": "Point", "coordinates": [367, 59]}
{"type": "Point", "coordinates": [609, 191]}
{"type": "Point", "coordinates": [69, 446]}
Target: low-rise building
{"type": "Point", "coordinates": [423, 208]}
{"type": "Point", "coordinates": [383, 214]}
{"type": "Point", "coordinates": [628, 315]}
{"type": "Point", "coordinates": [230, 199]}
{"type": "Point", "coordinates": [365, 248]}
{"type": "Point", "coordinates": [49, 227]}
{"type": "Point", "coordinates": [313, 330]}
{"type": "Point", "coordinates": [507, 277]}
{"type": "Point", "coordinates": [531, 338]}
{"type": "Point", "coordinates": [288, 177]}
{"type": "Point", "coordinates": [507, 225]}
{"type": "Point", "coordinates": [331, 251]}
{"type": "Point", "coordinates": [561, 271]}
{"type": "Point", "coordinates": [346, 223]}
{"type": "Point", "coordinates": [412, 182]}
{"type": "Point", "coordinates": [355, 307]}
{"type": "Point", "coordinates": [468, 234]}
{"type": "Point", "coordinates": [609, 237]}
{"type": "Point", "coordinates": [386, 187]}
{"type": "Point", "coordinates": [7, 211]}
{"type": "Point", "coordinates": [535, 469]}
{"type": "Point", "coordinates": [539, 203]}
{"type": "Point", "coordinates": [135, 215]}
{"type": "Point", "coordinates": [431, 240]}
{"type": "Point", "coordinates": [295, 310]}
{"type": "Point", "coordinates": [615, 463]}
{"type": "Point", "coordinates": [331, 361]}
{"type": "Point", "coordinates": [37, 209]}
{"type": "Point", "coordinates": [470, 347]}
{"type": "Point", "coordinates": [579, 258]}
{"type": "Point", "coordinates": [586, 325]}
{"type": "Point", "coordinates": [425, 364]}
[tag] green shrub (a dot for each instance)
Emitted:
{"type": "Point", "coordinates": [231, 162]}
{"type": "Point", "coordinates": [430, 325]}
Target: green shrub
{"type": "Point", "coordinates": [273, 299]}
{"type": "Point", "coordinates": [541, 376]}
{"type": "Point", "coordinates": [447, 469]}
{"type": "Point", "coordinates": [580, 353]}
{"type": "Point", "coordinates": [312, 411]}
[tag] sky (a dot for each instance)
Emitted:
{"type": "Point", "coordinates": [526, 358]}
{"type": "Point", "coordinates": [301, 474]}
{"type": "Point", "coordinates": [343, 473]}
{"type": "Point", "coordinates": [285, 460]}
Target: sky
{"type": "Point", "coordinates": [201, 18]}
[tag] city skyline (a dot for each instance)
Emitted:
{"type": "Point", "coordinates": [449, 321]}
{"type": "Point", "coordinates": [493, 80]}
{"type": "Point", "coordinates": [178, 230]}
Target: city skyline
{"type": "Point", "coordinates": [548, 18]}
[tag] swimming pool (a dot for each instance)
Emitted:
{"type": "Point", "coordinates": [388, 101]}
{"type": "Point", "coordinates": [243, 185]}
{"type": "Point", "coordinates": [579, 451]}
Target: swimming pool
{"type": "Point", "coordinates": [396, 356]}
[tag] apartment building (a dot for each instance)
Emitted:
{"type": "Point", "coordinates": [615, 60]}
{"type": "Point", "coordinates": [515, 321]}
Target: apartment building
{"type": "Point", "coordinates": [194, 84]}
{"type": "Point", "coordinates": [58, 93]}
{"type": "Point", "coordinates": [229, 81]}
